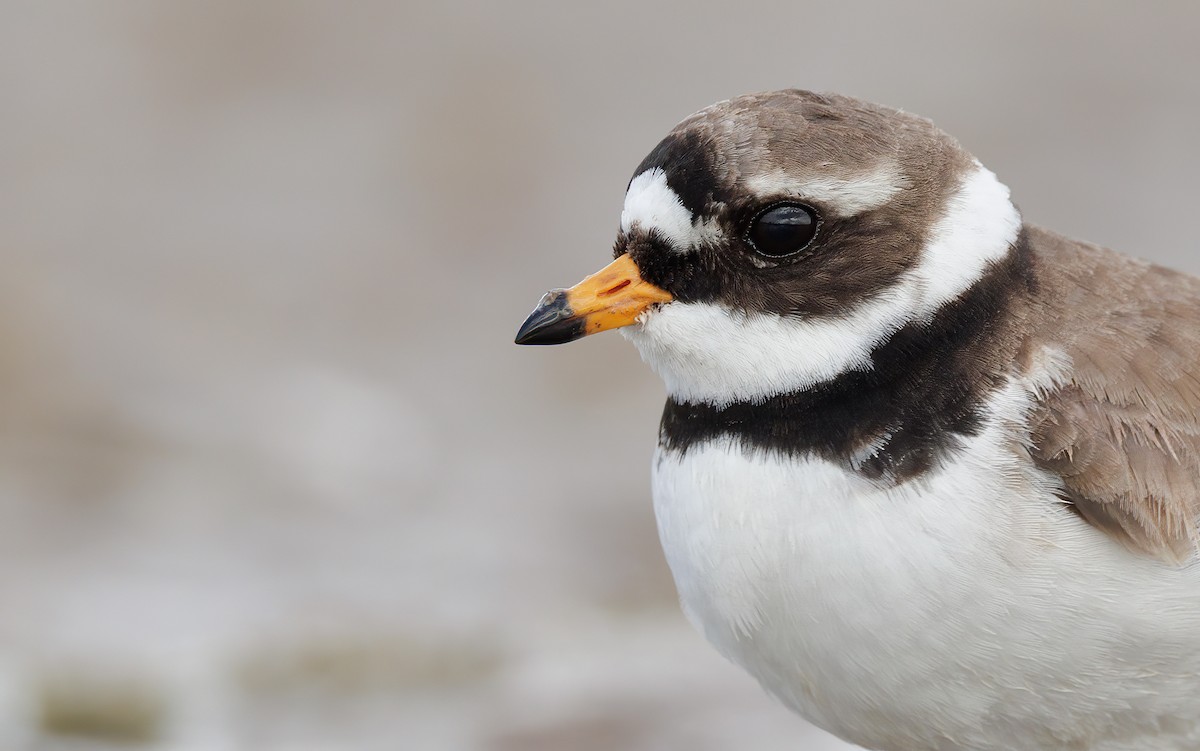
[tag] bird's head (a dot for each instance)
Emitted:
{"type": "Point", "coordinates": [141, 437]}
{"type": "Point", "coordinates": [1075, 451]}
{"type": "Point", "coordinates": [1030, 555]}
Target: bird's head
{"type": "Point", "coordinates": [771, 242]}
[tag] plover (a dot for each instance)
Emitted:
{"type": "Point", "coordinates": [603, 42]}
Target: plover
{"type": "Point", "coordinates": [931, 474]}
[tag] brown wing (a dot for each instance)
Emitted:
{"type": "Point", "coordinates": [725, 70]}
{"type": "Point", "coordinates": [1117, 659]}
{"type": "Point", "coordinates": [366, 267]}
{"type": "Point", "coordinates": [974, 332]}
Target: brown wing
{"type": "Point", "coordinates": [1123, 431]}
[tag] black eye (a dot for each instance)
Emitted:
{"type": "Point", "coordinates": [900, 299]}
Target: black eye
{"type": "Point", "coordinates": [783, 229]}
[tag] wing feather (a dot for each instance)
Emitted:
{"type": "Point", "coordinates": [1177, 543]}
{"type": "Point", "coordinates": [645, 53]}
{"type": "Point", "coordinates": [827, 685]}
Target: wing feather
{"type": "Point", "coordinates": [1122, 430]}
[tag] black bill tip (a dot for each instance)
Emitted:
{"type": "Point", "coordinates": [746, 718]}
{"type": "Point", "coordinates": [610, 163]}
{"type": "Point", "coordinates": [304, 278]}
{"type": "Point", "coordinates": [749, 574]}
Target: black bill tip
{"type": "Point", "coordinates": [551, 322]}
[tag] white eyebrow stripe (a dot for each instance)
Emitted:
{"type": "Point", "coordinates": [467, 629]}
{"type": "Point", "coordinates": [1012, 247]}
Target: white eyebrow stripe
{"type": "Point", "coordinates": [651, 204]}
{"type": "Point", "coordinates": [843, 196]}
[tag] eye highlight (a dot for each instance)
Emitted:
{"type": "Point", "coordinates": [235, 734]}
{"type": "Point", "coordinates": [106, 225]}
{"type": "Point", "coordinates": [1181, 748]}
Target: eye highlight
{"type": "Point", "coordinates": [783, 230]}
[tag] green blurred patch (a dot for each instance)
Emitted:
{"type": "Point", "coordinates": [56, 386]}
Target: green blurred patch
{"type": "Point", "coordinates": [109, 708]}
{"type": "Point", "coordinates": [368, 663]}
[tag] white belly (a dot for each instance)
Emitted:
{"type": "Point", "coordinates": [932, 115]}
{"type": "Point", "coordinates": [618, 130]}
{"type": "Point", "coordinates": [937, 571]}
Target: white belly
{"type": "Point", "coordinates": [967, 610]}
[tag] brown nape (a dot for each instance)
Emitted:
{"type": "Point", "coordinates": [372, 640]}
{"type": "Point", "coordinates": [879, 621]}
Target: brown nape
{"type": "Point", "coordinates": [1123, 431]}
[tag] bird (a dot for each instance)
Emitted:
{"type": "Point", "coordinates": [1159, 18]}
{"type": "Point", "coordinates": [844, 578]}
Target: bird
{"type": "Point", "coordinates": [928, 472]}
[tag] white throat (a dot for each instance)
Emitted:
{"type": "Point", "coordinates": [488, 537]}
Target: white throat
{"type": "Point", "coordinates": [708, 353]}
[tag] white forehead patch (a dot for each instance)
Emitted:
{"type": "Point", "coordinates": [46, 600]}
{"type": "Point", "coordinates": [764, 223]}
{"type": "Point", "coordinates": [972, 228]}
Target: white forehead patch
{"type": "Point", "coordinates": [651, 204]}
{"type": "Point", "coordinates": [843, 196]}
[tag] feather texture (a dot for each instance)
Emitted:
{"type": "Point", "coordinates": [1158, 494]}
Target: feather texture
{"type": "Point", "coordinates": [1122, 428]}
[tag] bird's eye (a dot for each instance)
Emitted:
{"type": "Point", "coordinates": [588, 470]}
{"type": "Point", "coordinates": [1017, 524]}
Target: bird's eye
{"type": "Point", "coordinates": [783, 229]}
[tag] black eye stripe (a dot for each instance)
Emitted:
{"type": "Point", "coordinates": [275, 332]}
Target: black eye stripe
{"type": "Point", "coordinates": [783, 229]}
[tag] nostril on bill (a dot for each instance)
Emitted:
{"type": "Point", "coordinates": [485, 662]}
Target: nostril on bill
{"type": "Point", "coordinates": [615, 288]}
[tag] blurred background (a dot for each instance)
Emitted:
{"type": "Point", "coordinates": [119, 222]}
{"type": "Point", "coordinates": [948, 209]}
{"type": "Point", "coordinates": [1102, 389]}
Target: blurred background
{"type": "Point", "coordinates": [273, 475]}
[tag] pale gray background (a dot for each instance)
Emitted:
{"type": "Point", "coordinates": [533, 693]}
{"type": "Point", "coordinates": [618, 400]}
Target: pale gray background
{"type": "Point", "coordinates": [272, 474]}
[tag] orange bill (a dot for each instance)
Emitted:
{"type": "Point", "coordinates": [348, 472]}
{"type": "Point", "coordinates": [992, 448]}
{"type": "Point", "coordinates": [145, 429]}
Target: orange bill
{"type": "Point", "coordinates": [609, 299]}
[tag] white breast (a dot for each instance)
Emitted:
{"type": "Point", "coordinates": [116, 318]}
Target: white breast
{"type": "Point", "coordinates": [968, 609]}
